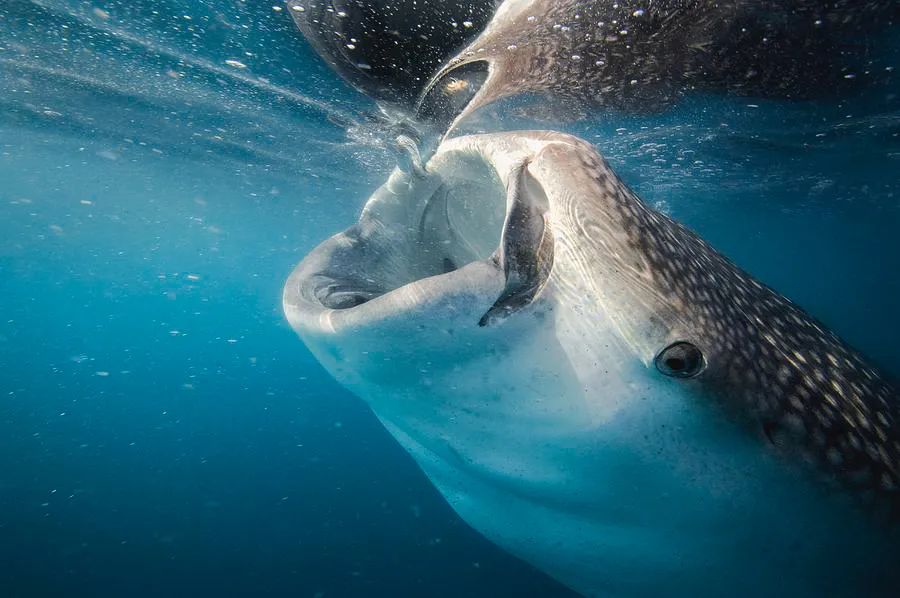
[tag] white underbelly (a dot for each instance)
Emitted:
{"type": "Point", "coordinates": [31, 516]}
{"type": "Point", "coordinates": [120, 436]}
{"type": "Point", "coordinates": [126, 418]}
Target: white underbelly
{"type": "Point", "coordinates": [677, 504]}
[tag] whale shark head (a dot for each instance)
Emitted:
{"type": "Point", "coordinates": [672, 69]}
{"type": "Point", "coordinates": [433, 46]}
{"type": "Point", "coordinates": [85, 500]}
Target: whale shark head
{"type": "Point", "coordinates": [470, 253]}
{"type": "Point", "coordinates": [591, 385]}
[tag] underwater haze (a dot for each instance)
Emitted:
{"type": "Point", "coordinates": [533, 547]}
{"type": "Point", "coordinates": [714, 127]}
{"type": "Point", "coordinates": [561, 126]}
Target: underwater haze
{"type": "Point", "coordinates": [164, 164]}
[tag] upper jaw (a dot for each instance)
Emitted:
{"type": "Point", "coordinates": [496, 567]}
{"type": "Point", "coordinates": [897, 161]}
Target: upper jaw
{"type": "Point", "coordinates": [467, 240]}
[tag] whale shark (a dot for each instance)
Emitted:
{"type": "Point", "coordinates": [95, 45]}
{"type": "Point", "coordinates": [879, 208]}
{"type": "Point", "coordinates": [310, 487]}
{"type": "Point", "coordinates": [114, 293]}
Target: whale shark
{"type": "Point", "coordinates": [597, 390]}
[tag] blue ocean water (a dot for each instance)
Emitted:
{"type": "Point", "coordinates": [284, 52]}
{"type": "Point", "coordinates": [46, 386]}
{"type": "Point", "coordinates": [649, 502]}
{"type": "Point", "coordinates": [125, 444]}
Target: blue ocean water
{"type": "Point", "coordinates": [163, 166]}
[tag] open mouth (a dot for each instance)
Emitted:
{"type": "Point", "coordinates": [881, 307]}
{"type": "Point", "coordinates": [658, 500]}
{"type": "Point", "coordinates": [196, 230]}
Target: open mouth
{"type": "Point", "coordinates": [419, 228]}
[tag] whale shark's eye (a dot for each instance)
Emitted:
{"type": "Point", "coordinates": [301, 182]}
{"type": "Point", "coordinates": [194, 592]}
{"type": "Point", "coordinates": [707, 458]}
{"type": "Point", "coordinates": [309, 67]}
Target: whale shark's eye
{"type": "Point", "coordinates": [680, 360]}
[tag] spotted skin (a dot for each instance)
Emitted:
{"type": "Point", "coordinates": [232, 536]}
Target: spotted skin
{"type": "Point", "coordinates": [797, 385]}
{"type": "Point", "coordinates": [640, 56]}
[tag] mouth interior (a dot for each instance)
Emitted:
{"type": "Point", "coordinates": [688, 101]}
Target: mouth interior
{"type": "Point", "coordinates": [459, 223]}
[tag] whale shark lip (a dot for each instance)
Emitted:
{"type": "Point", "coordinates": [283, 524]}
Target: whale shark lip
{"type": "Point", "coordinates": [461, 232]}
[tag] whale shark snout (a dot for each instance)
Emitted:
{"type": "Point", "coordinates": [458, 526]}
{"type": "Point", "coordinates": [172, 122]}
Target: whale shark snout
{"type": "Point", "coordinates": [594, 388]}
